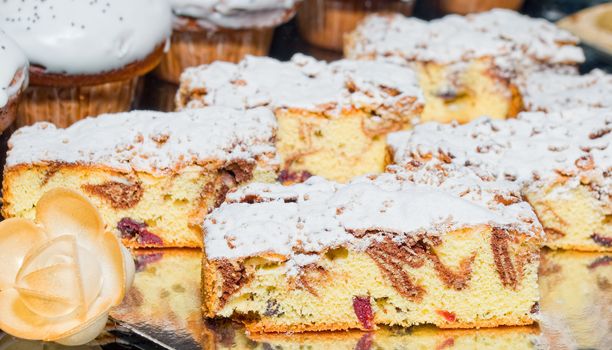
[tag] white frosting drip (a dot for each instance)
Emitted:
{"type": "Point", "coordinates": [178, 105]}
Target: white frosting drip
{"type": "Point", "coordinates": [86, 37]}
{"type": "Point", "coordinates": [235, 13]}
{"type": "Point", "coordinates": [303, 83]}
{"type": "Point", "coordinates": [12, 60]}
{"type": "Point", "coordinates": [149, 141]}
{"type": "Point", "coordinates": [533, 149]}
{"type": "Point", "coordinates": [511, 38]}
{"type": "Point", "coordinates": [301, 220]}
{"type": "Point", "coordinates": [551, 91]}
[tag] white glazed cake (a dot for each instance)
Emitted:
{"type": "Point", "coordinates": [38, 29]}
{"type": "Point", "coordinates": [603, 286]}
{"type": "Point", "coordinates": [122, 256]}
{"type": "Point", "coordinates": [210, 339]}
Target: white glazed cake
{"type": "Point", "coordinates": [467, 64]}
{"type": "Point", "coordinates": [549, 91]}
{"type": "Point", "coordinates": [562, 160]}
{"type": "Point", "coordinates": [152, 175]}
{"type": "Point", "coordinates": [333, 118]}
{"type": "Point", "coordinates": [13, 78]}
{"type": "Point", "coordinates": [420, 244]}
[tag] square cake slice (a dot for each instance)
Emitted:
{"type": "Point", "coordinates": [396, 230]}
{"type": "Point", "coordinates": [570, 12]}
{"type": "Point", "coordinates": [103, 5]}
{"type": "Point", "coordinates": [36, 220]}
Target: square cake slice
{"type": "Point", "coordinates": [418, 245]}
{"type": "Point", "coordinates": [152, 175]}
{"type": "Point", "coordinates": [332, 118]}
{"type": "Point", "coordinates": [467, 65]}
{"type": "Point", "coordinates": [562, 161]}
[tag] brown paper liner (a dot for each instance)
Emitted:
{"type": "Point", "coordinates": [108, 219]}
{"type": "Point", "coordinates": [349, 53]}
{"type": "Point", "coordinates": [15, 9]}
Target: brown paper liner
{"type": "Point", "coordinates": [323, 23]}
{"type": "Point", "coordinates": [469, 6]}
{"type": "Point", "coordinates": [64, 106]}
{"type": "Point", "coordinates": [194, 48]}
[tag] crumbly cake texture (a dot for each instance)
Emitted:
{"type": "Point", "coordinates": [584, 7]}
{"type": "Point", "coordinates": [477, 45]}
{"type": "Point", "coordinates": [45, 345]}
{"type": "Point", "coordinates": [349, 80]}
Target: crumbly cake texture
{"type": "Point", "coordinates": [152, 175]}
{"type": "Point", "coordinates": [466, 64]}
{"type": "Point", "coordinates": [562, 160]}
{"type": "Point", "coordinates": [86, 37]}
{"type": "Point", "coordinates": [12, 62]}
{"type": "Point", "coordinates": [411, 246]}
{"type": "Point", "coordinates": [235, 14]}
{"type": "Point", "coordinates": [549, 91]}
{"type": "Point", "coordinates": [333, 118]}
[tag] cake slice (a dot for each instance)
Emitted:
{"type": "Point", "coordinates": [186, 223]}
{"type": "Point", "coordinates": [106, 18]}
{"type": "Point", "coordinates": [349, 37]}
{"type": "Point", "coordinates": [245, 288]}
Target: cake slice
{"type": "Point", "coordinates": [332, 118]}
{"type": "Point", "coordinates": [467, 65]}
{"type": "Point", "coordinates": [562, 161]}
{"type": "Point", "coordinates": [152, 175]}
{"type": "Point", "coordinates": [549, 91]}
{"type": "Point", "coordinates": [417, 245]}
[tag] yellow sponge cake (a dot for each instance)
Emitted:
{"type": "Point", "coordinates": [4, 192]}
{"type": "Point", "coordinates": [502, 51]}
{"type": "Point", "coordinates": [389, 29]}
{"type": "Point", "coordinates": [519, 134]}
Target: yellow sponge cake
{"type": "Point", "coordinates": [467, 65]}
{"type": "Point", "coordinates": [417, 245]}
{"type": "Point", "coordinates": [152, 175]}
{"type": "Point", "coordinates": [332, 118]}
{"type": "Point", "coordinates": [562, 161]}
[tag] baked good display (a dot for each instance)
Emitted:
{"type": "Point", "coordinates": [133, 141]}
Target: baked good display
{"type": "Point", "coordinates": [332, 118]}
{"type": "Point", "coordinates": [467, 64]}
{"type": "Point", "coordinates": [469, 6]}
{"type": "Point", "coordinates": [152, 175]}
{"type": "Point", "coordinates": [226, 30]}
{"type": "Point", "coordinates": [562, 161]}
{"type": "Point", "coordinates": [324, 23]}
{"type": "Point", "coordinates": [13, 79]}
{"type": "Point", "coordinates": [550, 91]}
{"type": "Point", "coordinates": [421, 244]}
{"type": "Point", "coordinates": [86, 56]}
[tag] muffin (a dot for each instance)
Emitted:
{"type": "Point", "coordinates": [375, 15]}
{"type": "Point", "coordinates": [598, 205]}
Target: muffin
{"type": "Point", "coordinates": [469, 6]}
{"type": "Point", "coordinates": [323, 23]}
{"type": "Point", "coordinates": [13, 79]}
{"type": "Point", "coordinates": [86, 56]}
{"type": "Point", "coordinates": [221, 30]}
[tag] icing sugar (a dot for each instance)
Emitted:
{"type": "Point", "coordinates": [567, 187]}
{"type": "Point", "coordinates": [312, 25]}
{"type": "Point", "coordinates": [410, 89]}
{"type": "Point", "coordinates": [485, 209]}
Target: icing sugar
{"type": "Point", "coordinates": [532, 150]}
{"type": "Point", "coordinates": [302, 83]}
{"type": "Point", "coordinates": [235, 13]}
{"type": "Point", "coordinates": [551, 91]}
{"type": "Point", "coordinates": [304, 219]}
{"type": "Point", "coordinates": [86, 37]}
{"type": "Point", "coordinates": [149, 141]}
{"type": "Point", "coordinates": [12, 60]}
{"type": "Point", "coordinates": [503, 34]}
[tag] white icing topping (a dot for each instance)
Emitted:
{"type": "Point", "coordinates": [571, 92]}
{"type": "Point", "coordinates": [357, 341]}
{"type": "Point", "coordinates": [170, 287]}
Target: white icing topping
{"type": "Point", "coordinates": [304, 219]}
{"type": "Point", "coordinates": [507, 36]}
{"type": "Point", "coordinates": [235, 13]}
{"type": "Point", "coordinates": [149, 141]}
{"type": "Point", "coordinates": [533, 149]}
{"type": "Point", "coordinates": [551, 91]}
{"type": "Point", "coordinates": [303, 83]}
{"type": "Point", "coordinates": [86, 37]}
{"type": "Point", "coordinates": [12, 60]}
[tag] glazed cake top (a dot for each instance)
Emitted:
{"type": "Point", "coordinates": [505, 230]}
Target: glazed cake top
{"type": "Point", "coordinates": [235, 13]}
{"type": "Point", "coordinates": [303, 220]}
{"type": "Point", "coordinates": [148, 141]}
{"type": "Point", "coordinates": [303, 83]}
{"type": "Point", "coordinates": [86, 37]}
{"type": "Point", "coordinates": [497, 33]}
{"type": "Point", "coordinates": [12, 60]}
{"type": "Point", "coordinates": [533, 149]}
{"type": "Point", "coordinates": [550, 91]}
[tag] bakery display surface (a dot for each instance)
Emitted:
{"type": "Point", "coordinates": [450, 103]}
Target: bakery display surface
{"type": "Point", "coordinates": [431, 191]}
{"type": "Point", "coordinates": [152, 175]}
{"type": "Point", "coordinates": [332, 118]}
{"type": "Point", "coordinates": [561, 160]}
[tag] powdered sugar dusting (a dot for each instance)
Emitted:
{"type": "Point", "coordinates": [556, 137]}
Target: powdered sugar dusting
{"type": "Point", "coordinates": [149, 141]}
{"type": "Point", "coordinates": [12, 60]}
{"type": "Point", "coordinates": [533, 149]}
{"type": "Point", "coordinates": [303, 83]}
{"type": "Point", "coordinates": [551, 91]}
{"type": "Point", "coordinates": [305, 219]}
{"type": "Point", "coordinates": [507, 36]}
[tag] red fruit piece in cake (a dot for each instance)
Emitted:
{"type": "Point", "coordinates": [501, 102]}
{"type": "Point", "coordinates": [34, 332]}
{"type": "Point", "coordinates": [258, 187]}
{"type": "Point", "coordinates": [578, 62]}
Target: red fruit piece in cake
{"type": "Point", "coordinates": [363, 310]}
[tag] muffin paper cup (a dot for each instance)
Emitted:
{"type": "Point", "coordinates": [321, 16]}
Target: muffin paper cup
{"type": "Point", "coordinates": [194, 48]}
{"type": "Point", "coordinates": [323, 23]}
